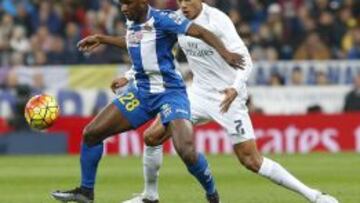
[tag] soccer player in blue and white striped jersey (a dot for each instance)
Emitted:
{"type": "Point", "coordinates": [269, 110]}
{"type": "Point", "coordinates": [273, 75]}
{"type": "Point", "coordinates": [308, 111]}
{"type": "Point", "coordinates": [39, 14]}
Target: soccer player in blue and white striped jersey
{"type": "Point", "coordinates": [159, 89]}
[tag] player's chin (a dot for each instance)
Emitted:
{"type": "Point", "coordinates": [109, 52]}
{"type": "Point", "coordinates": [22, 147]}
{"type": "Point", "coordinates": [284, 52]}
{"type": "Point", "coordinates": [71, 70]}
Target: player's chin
{"type": "Point", "coordinates": [187, 15]}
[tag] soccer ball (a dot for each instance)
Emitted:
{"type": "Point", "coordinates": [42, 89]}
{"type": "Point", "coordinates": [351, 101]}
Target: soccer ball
{"type": "Point", "coordinates": [41, 111]}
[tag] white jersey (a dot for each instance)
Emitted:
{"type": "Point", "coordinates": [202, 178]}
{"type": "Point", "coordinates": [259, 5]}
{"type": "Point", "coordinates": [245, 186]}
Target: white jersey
{"type": "Point", "coordinates": [211, 71]}
{"type": "Point", "coordinates": [213, 74]}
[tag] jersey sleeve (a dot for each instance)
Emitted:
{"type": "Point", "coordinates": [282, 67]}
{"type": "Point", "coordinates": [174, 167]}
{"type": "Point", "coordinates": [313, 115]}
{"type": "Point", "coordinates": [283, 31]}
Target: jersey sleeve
{"type": "Point", "coordinates": [227, 32]}
{"type": "Point", "coordinates": [233, 43]}
{"type": "Point", "coordinates": [173, 22]}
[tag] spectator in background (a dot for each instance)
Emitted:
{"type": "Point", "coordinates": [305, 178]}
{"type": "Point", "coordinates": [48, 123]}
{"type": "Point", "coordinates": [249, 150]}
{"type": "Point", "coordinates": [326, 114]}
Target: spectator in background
{"type": "Point", "coordinates": [273, 29]}
{"type": "Point", "coordinates": [18, 40]}
{"type": "Point", "coordinates": [275, 23]}
{"type": "Point", "coordinates": [297, 76]}
{"type": "Point", "coordinates": [276, 79]}
{"type": "Point", "coordinates": [11, 80]}
{"type": "Point", "coordinates": [46, 16]}
{"type": "Point", "coordinates": [42, 40]}
{"type": "Point", "coordinates": [17, 60]}
{"type": "Point", "coordinates": [344, 23]}
{"type": "Point", "coordinates": [38, 58]}
{"type": "Point", "coordinates": [72, 36]}
{"type": "Point", "coordinates": [106, 16]}
{"type": "Point", "coordinates": [6, 26]}
{"type": "Point", "coordinates": [235, 16]}
{"type": "Point", "coordinates": [244, 31]}
{"type": "Point", "coordinates": [55, 55]}
{"type": "Point", "coordinates": [354, 52]}
{"type": "Point", "coordinates": [326, 29]}
{"type": "Point", "coordinates": [321, 78]}
{"type": "Point", "coordinates": [352, 99]}
{"type": "Point", "coordinates": [23, 16]}
{"type": "Point", "coordinates": [316, 108]}
{"type": "Point", "coordinates": [313, 48]}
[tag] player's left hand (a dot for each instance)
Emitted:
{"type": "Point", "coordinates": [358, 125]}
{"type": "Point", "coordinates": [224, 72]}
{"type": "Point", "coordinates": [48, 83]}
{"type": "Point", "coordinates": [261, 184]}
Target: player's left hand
{"type": "Point", "coordinates": [235, 60]}
{"type": "Point", "coordinates": [88, 44]}
{"type": "Point", "coordinates": [118, 83]}
{"type": "Point", "coordinates": [230, 95]}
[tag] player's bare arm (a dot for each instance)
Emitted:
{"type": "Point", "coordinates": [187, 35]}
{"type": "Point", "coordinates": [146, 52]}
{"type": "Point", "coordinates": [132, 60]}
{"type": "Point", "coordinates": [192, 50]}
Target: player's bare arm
{"type": "Point", "coordinates": [234, 59]}
{"type": "Point", "coordinates": [90, 43]}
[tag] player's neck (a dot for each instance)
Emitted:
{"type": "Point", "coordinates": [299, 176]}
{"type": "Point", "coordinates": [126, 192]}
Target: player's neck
{"type": "Point", "coordinates": [144, 15]}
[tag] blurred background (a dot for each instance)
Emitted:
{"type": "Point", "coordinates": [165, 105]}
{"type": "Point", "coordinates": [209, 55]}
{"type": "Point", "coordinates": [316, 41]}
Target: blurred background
{"type": "Point", "coordinates": [306, 75]}
{"type": "Point", "coordinates": [304, 98]}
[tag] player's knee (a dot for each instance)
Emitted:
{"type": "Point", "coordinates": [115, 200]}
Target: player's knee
{"type": "Point", "coordinates": [150, 140]}
{"type": "Point", "coordinates": [89, 136]}
{"type": "Point", "coordinates": [252, 163]}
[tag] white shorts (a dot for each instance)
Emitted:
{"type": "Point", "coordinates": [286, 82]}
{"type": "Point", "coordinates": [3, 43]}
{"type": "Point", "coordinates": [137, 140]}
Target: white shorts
{"type": "Point", "coordinates": [205, 106]}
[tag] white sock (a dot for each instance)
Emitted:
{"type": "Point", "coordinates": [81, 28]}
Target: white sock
{"type": "Point", "coordinates": [278, 174]}
{"type": "Point", "coordinates": [152, 161]}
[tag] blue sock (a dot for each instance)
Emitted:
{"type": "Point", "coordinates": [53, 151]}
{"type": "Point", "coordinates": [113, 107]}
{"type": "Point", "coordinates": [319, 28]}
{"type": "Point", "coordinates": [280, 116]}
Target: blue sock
{"type": "Point", "coordinates": [89, 159]}
{"type": "Point", "coordinates": [202, 173]}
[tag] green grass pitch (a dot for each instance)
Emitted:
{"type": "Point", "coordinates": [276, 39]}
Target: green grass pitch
{"type": "Point", "coordinates": [29, 179]}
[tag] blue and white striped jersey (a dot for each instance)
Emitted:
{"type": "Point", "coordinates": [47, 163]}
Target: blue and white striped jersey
{"type": "Point", "coordinates": [150, 48]}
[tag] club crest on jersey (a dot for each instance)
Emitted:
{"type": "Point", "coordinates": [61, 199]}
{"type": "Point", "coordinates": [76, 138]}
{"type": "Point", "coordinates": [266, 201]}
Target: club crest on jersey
{"type": "Point", "coordinates": [165, 110]}
{"type": "Point", "coordinates": [134, 38]}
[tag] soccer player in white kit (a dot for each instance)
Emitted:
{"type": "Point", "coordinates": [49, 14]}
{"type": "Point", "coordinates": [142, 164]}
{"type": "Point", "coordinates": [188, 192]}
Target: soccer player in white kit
{"type": "Point", "coordinates": [218, 93]}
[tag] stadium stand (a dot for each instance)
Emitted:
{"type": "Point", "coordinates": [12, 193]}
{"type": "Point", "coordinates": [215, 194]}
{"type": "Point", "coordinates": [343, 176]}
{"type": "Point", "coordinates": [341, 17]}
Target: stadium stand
{"type": "Point", "coordinates": [46, 32]}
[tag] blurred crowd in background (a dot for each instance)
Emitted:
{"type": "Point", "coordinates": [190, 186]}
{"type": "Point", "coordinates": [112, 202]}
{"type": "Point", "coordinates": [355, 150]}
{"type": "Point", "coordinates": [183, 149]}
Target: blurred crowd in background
{"type": "Point", "coordinates": [45, 32]}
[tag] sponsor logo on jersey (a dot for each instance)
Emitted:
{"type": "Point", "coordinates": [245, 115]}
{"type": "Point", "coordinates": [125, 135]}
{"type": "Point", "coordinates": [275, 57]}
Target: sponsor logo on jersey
{"type": "Point", "coordinates": [194, 49]}
{"type": "Point", "coordinates": [181, 111]}
{"type": "Point", "coordinates": [134, 38]}
{"type": "Point", "coordinates": [199, 53]}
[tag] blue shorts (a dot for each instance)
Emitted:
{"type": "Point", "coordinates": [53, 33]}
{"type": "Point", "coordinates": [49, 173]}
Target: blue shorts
{"type": "Point", "coordinates": [139, 107]}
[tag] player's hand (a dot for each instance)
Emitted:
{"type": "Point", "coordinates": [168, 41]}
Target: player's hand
{"type": "Point", "coordinates": [235, 60]}
{"type": "Point", "coordinates": [118, 83]}
{"type": "Point", "coordinates": [230, 95]}
{"type": "Point", "coordinates": [88, 44]}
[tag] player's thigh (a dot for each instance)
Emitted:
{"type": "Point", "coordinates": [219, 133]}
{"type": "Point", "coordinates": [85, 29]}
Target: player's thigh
{"type": "Point", "coordinates": [236, 122]}
{"type": "Point", "coordinates": [133, 107]}
{"type": "Point", "coordinates": [126, 112]}
{"type": "Point", "coordinates": [183, 139]}
{"type": "Point", "coordinates": [199, 108]}
{"type": "Point", "coordinates": [108, 122]}
{"type": "Point", "coordinates": [156, 133]}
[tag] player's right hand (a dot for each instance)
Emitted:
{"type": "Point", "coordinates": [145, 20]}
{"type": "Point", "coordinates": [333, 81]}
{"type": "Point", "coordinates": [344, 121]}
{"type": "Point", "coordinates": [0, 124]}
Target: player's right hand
{"type": "Point", "coordinates": [88, 44]}
{"type": "Point", "coordinates": [118, 83]}
{"type": "Point", "coordinates": [235, 60]}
